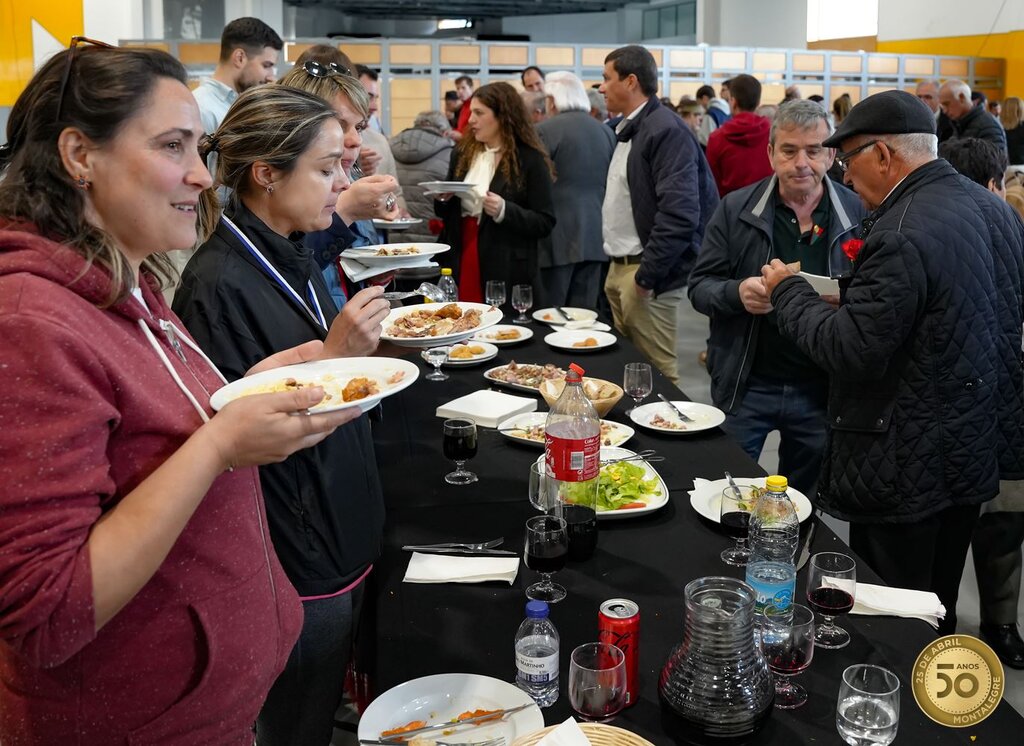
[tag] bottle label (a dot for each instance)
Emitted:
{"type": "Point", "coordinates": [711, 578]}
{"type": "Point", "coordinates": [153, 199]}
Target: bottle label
{"type": "Point", "coordinates": [773, 582]}
{"type": "Point", "coordinates": [536, 669]}
{"type": "Point", "coordinates": [573, 459]}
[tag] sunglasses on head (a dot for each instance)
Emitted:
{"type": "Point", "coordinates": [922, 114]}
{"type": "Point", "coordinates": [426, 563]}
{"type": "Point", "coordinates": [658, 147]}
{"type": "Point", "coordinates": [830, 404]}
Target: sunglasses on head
{"type": "Point", "coordinates": [76, 41]}
{"type": "Point", "coordinates": [325, 69]}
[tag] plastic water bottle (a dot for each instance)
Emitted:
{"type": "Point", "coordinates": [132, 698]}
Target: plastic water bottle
{"type": "Point", "coordinates": [537, 655]}
{"type": "Point", "coordinates": [774, 536]}
{"type": "Point", "coordinates": [572, 456]}
{"type": "Point", "coordinates": [447, 284]}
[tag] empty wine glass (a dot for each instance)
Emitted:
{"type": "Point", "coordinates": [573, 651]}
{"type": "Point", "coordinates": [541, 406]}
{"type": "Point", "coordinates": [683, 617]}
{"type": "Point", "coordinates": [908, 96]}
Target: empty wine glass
{"type": "Point", "coordinates": [546, 550]}
{"type": "Point", "coordinates": [637, 382]}
{"type": "Point", "coordinates": [494, 293]}
{"type": "Point", "coordinates": [831, 591]}
{"type": "Point", "coordinates": [787, 642]}
{"type": "Point", "coordinates": [436, 356]}
{"type": "Point", "coordinates": [597, 681]}
{"type": "Point", "coordinates": [868, 709]}
{"type": "Point", "coordinates": [734, 518]}
{"type": "Point", "coordinates": [522, 301]}
{"type": "Point", "coordinates": [459, 445]}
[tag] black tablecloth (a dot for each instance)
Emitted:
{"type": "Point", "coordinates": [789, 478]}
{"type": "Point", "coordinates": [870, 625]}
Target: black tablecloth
{"type": "Point", "coordinates": [417, 630]}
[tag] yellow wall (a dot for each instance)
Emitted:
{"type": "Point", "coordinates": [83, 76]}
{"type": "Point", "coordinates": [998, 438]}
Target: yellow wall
{"type": "Point", "coordinates": [61, 18]}
{"type": "Point", "coordinates": [1009, 46]}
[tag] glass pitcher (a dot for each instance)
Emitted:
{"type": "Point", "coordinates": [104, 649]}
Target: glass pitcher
{"type": "Point", "coordinates": [716, 687]}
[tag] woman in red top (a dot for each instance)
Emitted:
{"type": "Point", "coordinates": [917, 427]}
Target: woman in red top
{"type": "Point", "coordinates": [140, 598]}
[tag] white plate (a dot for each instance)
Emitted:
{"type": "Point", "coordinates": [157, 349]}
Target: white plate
{"type": "Point", "coordinates": [444, 697]}
{"type": "Point", "coordinates": [489, 336]}
{"type": "Point", "coordinates": [597, 326]}
{"type": "Point", "coordinates": [707, 499]}
{"type": "Point", "coordinates": [333, 375]}
{"type": "Point", "coordinates": [656, 503]}
{"type": "Point", "coordinates": [400, 224]}
{"type": "Point", "coordinates": [490, 352]}
{"type": "Point", "coordinates": [618, 435]}
{"type": "Point", "coordinates": [437, 187]}
{"type": "Point", "coordinates": [489, 375]}
{"type": "Point", "coordinates": [706, 416]}
{"type": "Point", "coordinates": [567, 340]}
{"type": "Point", "coordinates": [552, 316]}
{"type": "Point", "coordinates": [367, 254]}
{"type": "Point", "coordinates": [489, 317]}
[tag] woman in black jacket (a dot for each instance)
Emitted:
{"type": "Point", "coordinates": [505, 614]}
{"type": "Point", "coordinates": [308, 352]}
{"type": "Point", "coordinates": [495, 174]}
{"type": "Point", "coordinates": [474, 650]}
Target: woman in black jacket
{"type": "Point", "coordinates": [494, 229]}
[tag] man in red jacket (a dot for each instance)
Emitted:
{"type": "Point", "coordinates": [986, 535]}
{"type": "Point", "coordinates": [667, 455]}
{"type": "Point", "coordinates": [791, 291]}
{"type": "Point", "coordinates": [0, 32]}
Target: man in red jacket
{"type": "Point", "coordinates": [738, 150]}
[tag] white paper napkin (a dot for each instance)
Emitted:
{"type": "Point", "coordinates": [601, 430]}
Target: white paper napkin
{"type": "Point", "coordinates": [568, 733]}
{"type": "Point", "coordinates": [446, 568]}
{"type": "Point", "coordinates": [880, 600]}
{"type": "Point", "coordinates": [487, 408]}
{"type": "Point", "coordinates": [357, 272]}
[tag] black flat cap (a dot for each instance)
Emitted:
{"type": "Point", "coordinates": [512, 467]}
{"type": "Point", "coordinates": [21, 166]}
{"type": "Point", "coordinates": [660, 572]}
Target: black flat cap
{"type": "Point", "coordinates": [885, 113]}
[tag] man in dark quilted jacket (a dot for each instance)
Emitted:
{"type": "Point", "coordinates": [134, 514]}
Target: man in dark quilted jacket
{"type": "Point", "coordinates": [923, 354]}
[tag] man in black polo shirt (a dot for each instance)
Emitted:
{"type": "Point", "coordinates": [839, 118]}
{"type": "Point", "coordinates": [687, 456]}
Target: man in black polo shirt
{"type": "Point", "coordinates": [760, 379]}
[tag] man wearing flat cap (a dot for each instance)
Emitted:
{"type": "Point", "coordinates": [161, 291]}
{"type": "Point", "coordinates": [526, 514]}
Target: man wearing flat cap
{"type": "Point", "coordinates": [926, 390]}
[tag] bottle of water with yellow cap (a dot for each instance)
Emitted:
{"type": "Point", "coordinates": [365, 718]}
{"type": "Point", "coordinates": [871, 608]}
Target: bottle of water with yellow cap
{"type": "Point", "coordinates": [774, 535]}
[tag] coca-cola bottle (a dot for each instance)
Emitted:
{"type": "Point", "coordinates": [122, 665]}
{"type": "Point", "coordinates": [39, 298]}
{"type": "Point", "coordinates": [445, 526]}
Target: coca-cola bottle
{"type": "Point", "coordinates": [572, 454]}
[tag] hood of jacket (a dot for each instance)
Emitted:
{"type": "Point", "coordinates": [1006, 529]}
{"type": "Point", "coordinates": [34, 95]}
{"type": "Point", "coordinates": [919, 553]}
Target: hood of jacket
{"type": "Point", "coordinates": [416, 145]}
{"type": "Point", "coordinates": [720, 104]}
{"type": "Point", "coordinates": [746, 129]}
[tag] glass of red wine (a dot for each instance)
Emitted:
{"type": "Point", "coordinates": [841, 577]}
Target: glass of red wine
{"type": "Point", "coordinates": [787, 642]}
{"type": "Point", "coordinates": [831, 591]}
{"type": "Point", "coordinates": [546, 550]}
{"type": "Point", "coordinates": [734, 519]}
{"type": "Point", "coordinates": [597, 681]}
{"type": "Point", "coordinates": [459, 446]}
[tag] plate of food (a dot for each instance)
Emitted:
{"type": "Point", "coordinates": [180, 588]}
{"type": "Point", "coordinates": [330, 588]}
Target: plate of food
{"type": "Point", "coordinates": [470, 353]}
{"type": "Point", "coordinates": [597, 326]}
{"type": "Point", "coordinates": [626, 488]}
{"type": "Point", "coordinates": [388, 254]}
{"type": "Point", "coordinates": [524, 376]}
{"type": "Point", "coordinates": [580, 341]}
{"type": "Point", "coordinates": [706, 497]}
{"type": "Point", "coordinates": [554, 315]}
{"type": "Point", "coordinates": [439, 187]}
{"type": "Point", "coordinates": [347, 382]}
{"type": "Point", "coordinates": [444, 699]}
{"type": "Point", "coordinates": [398, 224]}
{"type": "Point", "coordinates": [529, 428]}
{"type": "Point", "coordinates": [504, 334]}
{"type": "Point", "coordinates": [662, 418]}
{"type": "Point", "coordinates": [437, 324]}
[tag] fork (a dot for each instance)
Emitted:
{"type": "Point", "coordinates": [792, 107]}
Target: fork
{"type": "Point", "coordinates": [457, 545]}
{"type": "Point", "coordinates": [649, 455]}
{"type": "Point", "coordinates": [428, 289]}
{"type": "Point", "coordinates": [499, 741]}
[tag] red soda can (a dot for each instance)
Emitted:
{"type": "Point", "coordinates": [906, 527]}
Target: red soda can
{"type": "Point", "coordinates": [618, 623]}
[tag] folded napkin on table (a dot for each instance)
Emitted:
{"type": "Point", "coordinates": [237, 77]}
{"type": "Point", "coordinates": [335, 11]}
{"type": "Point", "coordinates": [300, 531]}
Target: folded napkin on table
{"type": "Point", "coordinates": [880, 600]}
{"type": "Point", "coordinates": [446, 568]}
{"type": "Point", "coordinates": [487, 408]}
{"type": "Point", "coordinates": [566, 734]}
{"type": "Point", "coordinates": [357, 272]}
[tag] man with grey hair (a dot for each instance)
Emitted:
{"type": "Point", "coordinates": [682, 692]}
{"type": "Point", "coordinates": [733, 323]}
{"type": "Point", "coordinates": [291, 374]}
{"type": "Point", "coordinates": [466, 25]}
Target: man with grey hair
{"type": "Point", "coordinates": [534, 102]}
{"type": "Point", "coordinates": [926, 396]}
{"type": "Point", "coordinates": [969, 120]}
{"type": "Point", "coordinates": [572, 257]}
{"type": "Point", "coordinates": [598, 107]}
{"type": "Point", "coordinates": [759, 378]}
{"type": "Point", "coordinates": [422, 153]}
{"type": "Point", "coordinates": [928, 91]}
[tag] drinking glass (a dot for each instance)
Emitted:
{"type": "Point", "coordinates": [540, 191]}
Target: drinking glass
{"type": "Point", "coordinates": [787, 643]}
{"type": "Point", "coordinates": [522, 301]}
{"type": "Point", "coordinates": [597, 681]}
{"type": "Point", "coordinates": [436, 356]}
{"type": "Point", "coordinates": [546, 550]}
{"type": "Point", "coordinates": [831, 590]}
{"type": "Point", "coordinates": [637, 382]}
{"type": "Point", "coordinates": [868, 709]}
{"type": "Point", "coordinates": [459, 446]}
{"type": "Point", "coordinates": [494, 293]}
{"type": "Point", "coordinates": [540, 493]}
{"type": "Point", "coordinates": [735, 519]}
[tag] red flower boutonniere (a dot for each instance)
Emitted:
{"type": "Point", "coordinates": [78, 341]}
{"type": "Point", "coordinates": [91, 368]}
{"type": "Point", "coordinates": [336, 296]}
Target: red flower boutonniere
{"type": "Point", "coordinates": [852, 248]}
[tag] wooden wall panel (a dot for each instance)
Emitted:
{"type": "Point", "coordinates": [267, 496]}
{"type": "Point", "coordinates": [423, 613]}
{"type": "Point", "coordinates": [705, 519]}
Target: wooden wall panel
{"type": "Point", "coordinates": [721, 60]}
{"type": "Point", "coordinates": [594, 56]}
{"type": "Point", "coordinates": [363, 54]}
{"type": "Point", "coordinates": [411, 54]}
{"type": "Point", "coordinates": [555, 57]}
{"type": "Point", "coordinates": [923, 67]}
{"type": "Point", "coordinates": [883, 65]}
{"type": "Point", "coordinates": [846, 64]}
{"type": "Point", "coordinates": [770, 61]}
{"type": "Point", "coordinates": [502, 55]}
{"type": "Point", "coordinates": [467, 55]}
{"type": "Point", "coordinates": [808, 63]}
{"type": "Point", "coordinates": [954, 68]}
{"type": "Point", "coordinates": [199, 53]}
{"type": "Point", "coordinates": [686, 59]}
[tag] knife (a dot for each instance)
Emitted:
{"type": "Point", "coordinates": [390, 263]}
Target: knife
{"type": "Point", "coordinates": [455, 550]}
{"type": "Point", "coordinates": [495, 715]}
{"type": "Point", "coordinates": [676, 409]}
{"type": "Point", "coordinates": [805, 553]}
{"type": "Point", "coordinates": [565, 313]}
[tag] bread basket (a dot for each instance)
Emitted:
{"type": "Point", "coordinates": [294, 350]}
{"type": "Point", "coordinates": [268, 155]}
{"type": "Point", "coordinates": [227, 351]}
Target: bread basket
{"type": "Point", "coordinates": [597, 733]}
{"type": "Point", "coordinates": [551, 389]}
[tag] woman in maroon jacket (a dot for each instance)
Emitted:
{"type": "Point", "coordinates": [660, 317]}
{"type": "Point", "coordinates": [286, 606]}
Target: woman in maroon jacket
{"type": "Point", "coordinates": [140, 598]}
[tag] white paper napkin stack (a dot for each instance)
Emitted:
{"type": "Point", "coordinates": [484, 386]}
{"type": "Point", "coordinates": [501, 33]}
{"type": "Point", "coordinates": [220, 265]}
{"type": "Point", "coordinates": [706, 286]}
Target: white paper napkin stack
{"type": "Point", "coordinates": [446, 568]}
{"type": "Point", "coordinates": [880, 600]}
{"type": "Point", "coordinates": [487, 408]}
{"type": "Point", "coordinates": [357, 271]}
{"type": "Point", "coordinates": [568, 733]}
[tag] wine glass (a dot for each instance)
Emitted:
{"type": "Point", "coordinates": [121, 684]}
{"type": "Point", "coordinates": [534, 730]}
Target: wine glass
{"type": "Point", "coordinates": [868, 709]}
{"type": "Point", "coordinates": [597, 681]}
{"type": "Point", "coordinates": [735, 520]}
{"type": "Point", "coordinates": [546, 550]}
{"type": "Point", "coordinates": [787, 642]}
{"type": "Point", "coordinates": [494, 293]}
{"type": "Point", "coordinates": [459, 446]}
{"type": "Point", "coordinates": [522, 301]}
{"type": "Point", "coordinates": [436, 356]}
{"type": "Point", "coordinates": [831, 590]}
{"type": "Point", "coordinates": [637, 382]}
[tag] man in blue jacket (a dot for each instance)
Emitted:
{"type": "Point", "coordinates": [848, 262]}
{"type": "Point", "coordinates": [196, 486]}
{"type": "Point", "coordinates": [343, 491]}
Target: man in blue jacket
{"type": "Point", "coordinates": [660, 194]}
{"type": "Point", "coordinates": [759, 378]}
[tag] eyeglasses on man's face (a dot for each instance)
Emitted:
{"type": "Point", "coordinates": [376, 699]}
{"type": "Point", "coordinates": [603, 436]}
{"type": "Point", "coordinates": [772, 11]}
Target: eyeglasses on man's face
{"type": "Point", "coordinates": [843, 159]}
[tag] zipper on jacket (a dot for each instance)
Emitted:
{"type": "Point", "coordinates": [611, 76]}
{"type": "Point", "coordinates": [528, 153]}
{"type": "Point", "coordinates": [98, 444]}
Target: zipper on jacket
{"type": "Point", "coordinates": [172, 340]}
{"type": "Point", "coordinates": [750, 336]}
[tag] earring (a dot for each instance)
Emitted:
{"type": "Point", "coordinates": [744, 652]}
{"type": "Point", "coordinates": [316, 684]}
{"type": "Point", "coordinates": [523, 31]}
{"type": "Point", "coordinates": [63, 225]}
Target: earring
{"type": "Point", "coordinates": [83, 183]}
{"type": "Point", "coordinates": [270, 189]}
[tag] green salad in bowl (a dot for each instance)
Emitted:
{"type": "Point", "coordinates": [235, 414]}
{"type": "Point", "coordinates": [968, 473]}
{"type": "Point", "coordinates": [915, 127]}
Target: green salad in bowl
{"type": "Point", "coordinates": [621, 486]}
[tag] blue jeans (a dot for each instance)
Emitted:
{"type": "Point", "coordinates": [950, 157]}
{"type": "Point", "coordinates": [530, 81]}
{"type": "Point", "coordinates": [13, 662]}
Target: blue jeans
{"type": "Point", "coordinates": [300, 708]}
{"type": "Point", "coordinates": [799, 411]}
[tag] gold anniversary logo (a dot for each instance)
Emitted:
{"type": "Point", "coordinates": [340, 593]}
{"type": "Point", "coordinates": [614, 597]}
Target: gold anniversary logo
{"type": "Point", "coordinates": [958, 681]}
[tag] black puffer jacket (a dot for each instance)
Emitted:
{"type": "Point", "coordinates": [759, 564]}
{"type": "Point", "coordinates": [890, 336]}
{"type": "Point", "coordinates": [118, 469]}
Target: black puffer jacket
{"type": "Point", "coordinates": [924, 355]}
{"type": "Point", "coordinates": [980, 124]}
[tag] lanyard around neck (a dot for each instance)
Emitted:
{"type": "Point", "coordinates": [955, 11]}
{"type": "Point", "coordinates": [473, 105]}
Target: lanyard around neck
{"type": "Point", "coordinates": [271, 270]}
